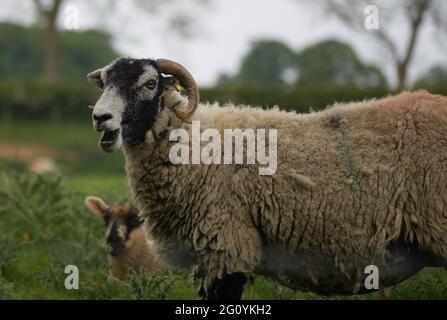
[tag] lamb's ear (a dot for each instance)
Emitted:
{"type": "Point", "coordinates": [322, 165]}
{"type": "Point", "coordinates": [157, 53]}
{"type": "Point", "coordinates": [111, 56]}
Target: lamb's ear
{"type": "Point", "coordinates": [95, 78]}
{"type": "Point", "coordinates": [97, 206]}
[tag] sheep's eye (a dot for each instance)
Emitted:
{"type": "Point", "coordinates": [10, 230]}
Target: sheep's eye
{"type": "Point", "coordinates": [151, 84]}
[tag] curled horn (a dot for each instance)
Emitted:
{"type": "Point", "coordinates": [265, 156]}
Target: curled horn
{"type": "Point", "coordinates": [187, 81]}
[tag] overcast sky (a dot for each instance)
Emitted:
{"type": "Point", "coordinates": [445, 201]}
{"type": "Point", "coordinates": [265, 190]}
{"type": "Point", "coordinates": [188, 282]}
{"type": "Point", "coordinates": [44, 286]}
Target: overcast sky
{"type": "Point", "coordinates": [225, 30]}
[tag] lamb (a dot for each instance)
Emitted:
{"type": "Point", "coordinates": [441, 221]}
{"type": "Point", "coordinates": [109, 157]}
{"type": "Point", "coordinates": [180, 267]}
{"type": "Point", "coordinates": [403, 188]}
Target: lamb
{"type": "Point", "coordinates": [358, 184]}
{"type": "Point", "coordinates": [129, 246]}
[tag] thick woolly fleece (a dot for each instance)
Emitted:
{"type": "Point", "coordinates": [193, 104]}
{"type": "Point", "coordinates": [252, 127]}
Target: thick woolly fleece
{"type": "Point", "coordinates": [352, 182]}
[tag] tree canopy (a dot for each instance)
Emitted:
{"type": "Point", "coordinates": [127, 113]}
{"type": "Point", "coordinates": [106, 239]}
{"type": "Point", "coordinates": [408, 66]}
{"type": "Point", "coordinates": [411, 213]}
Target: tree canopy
{"type": "Point", "coordinates": [23, 51]}
{"type": "Point", "coordinates": [332, 62]}
{"type": "Point", "coordinates": [266, 64]}
{"type": "Point", "coordinates": [272, 63]}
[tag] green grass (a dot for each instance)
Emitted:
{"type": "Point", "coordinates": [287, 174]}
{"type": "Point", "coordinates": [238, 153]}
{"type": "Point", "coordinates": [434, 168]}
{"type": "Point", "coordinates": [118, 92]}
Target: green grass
{"type": "Point", "coordinates": [44, 227]}
{"type": "Point", "coordinates": [100, 184]}
{"type": "Point", "coordinates": [76, 144]}
{"type": "Point", "coordinates": [65, 135]}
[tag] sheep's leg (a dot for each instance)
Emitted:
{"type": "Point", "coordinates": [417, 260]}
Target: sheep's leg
{"type": "Point", "coordinates": [229, 287]}
{"type": "Point", "coordinates": [229, 246]}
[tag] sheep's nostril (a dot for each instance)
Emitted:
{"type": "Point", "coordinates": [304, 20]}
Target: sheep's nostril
{"type": "Point", "coordinates": [102, 118]}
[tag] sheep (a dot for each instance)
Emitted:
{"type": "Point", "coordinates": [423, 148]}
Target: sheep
{"type": "Point", "coordinates": [357, 184]}
{"type": "Point", "coordinates": [129, 246]}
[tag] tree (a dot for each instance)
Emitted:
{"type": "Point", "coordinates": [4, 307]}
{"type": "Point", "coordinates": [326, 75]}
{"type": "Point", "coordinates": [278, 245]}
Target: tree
{"type": "Point", "coordinates": [415, 14]}
{"type": "Point", "coordinates": [48, 12]}
{"type": "Point", "coordinates": [268, 63]}
{"type": "Point", "coordinates": [23, 52]}
{"type": "Point", "coordinates": [47, 16]}
{"type": "Point", "coordinates": [333, 62]}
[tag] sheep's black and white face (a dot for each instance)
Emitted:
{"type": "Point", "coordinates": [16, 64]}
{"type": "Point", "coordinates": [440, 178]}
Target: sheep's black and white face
{"type": "Point", "coordinates": [130, 100]}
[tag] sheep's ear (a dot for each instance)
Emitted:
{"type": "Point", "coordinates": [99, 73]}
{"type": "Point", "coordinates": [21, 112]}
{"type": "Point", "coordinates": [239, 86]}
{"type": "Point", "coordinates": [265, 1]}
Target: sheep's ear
{"type": "Point", "coordinates": [171, 82]}
{"type": "Point", "coordinates": [97, 206]}
{"type": "Point", "coordinates": [95, 79]}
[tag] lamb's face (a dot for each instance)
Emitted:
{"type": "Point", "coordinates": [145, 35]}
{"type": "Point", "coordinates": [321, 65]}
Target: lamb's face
{"type": "Point", "coordinates": [121, 221]}
{"type": "Point", "coordinates": [130, 100]}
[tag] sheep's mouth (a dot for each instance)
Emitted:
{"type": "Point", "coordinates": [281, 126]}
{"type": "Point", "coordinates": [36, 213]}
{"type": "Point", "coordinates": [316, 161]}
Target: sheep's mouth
{"type": "Point", "coordinates": [109, 139]}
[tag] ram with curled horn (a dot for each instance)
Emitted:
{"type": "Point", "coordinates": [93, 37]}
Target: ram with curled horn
{"type": "Point", "coordinates": [137, 92]}
{"type": "Point", "coordinates": [358, 184]}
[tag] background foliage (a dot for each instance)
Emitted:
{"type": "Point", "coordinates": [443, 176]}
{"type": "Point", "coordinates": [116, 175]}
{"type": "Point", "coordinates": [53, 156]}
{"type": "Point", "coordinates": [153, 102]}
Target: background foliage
{"type": "Point", "coordinates": [22, 51]}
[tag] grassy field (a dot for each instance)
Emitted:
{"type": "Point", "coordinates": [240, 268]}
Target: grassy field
{"type": "Point", "coordinates": [44, 227]}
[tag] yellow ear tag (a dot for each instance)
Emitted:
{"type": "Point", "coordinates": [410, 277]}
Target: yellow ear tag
{"type": "Point", "coordinates": [178, 87]}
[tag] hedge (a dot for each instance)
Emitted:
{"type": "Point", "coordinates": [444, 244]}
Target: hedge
{"type": "Point", "coordinates": [69, 101]}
